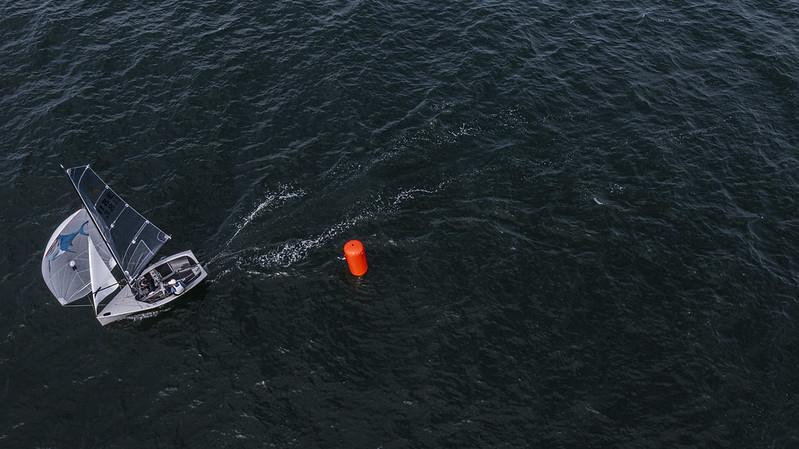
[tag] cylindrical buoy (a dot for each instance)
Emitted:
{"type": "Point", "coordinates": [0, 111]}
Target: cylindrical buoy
{"type": "Point", "coordinates": [356, 257]}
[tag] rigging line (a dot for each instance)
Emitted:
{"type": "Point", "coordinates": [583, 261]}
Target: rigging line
{"type": "Point", "coordinates": [107, 286]}
{"type": "Point", "coordinates": [91, 216]}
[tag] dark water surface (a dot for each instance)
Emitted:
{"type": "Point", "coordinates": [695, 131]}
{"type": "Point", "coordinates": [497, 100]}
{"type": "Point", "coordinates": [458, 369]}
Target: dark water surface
{"type": "Point", "coordinates": [581, 222]}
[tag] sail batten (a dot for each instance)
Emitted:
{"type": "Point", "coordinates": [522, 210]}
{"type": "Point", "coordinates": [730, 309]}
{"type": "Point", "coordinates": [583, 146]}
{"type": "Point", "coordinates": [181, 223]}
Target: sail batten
{"type": "Point", "coordinates": [130, 238]}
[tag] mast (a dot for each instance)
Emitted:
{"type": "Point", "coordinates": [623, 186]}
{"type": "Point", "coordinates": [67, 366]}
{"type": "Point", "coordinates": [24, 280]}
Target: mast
{"type": "Point", "coordinates": [96, 225]}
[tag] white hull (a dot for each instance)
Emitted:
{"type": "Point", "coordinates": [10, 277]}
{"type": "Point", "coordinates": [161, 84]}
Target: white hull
{"type": "Point", "coordinates": [125, 304]}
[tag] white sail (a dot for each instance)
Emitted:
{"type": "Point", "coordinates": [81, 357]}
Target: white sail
{"type": "Point", "coordinates": [65, 263]}
{"type": "Point", "coordinates": [103, 281]}
{"type": "Point", "coordinates": [131, 239]}
{"type": "Point", "coordinates": [104, 248]}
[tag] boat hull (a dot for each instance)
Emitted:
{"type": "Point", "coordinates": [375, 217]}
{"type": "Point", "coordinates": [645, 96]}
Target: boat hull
{"type": "Point", "coordinates": [129, 303]}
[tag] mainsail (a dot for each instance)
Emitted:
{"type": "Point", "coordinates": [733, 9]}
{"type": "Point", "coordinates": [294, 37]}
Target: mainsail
{"type": "Point", "coordinates": [131, 239]}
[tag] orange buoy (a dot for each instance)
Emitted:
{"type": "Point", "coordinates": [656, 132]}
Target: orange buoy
{"type": "Point", "coordinates": [356, 257]}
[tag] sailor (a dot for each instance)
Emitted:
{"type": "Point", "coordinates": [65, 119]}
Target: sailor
{"type": "Point", "coordinates": [175, 287]}
{"type": "Point", "coordinates": [144, 286]}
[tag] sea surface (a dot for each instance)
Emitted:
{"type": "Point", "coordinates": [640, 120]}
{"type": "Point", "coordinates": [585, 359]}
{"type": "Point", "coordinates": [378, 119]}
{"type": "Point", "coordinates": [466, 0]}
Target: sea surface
{"type": "Point", "coordinates": [580, 221]}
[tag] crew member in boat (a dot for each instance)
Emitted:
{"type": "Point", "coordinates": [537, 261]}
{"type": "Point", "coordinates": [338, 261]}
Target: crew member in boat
{"type": "Point", "coordinates": [175, 287]}
{"type": "Point", "coordinates": [145, 286]}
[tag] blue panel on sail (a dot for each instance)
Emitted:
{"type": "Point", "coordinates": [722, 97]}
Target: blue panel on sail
{"type": "Point", "coordinates": [65, 263]}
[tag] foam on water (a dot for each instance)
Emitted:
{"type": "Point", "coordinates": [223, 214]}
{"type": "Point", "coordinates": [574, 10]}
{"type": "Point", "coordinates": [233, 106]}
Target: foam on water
{"type": "Point", "coordinates": [434, 134]}
{"type": "Point", "coordinates": [294, 251]}
{"type": "Point", "coordinates": [270, 201]}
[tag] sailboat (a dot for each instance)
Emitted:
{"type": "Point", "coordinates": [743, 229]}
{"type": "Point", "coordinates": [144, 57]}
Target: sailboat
{"type": "Point", "coordinates": [103, 250]}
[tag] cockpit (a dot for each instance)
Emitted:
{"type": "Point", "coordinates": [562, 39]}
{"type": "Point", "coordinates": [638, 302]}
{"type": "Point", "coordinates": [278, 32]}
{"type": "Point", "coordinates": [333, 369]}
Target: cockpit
{"type": "Point", "coordinates": [166, 279]}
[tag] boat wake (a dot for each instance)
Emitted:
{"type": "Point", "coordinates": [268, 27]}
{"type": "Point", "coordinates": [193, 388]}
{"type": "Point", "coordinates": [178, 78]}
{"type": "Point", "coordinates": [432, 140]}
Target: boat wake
{"type": "Point", "coordinates": [294, 251]}
{"type": "Point", "coordinates": [270, 201]}
{"type": "Point", "coordinates": [270, 260]}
